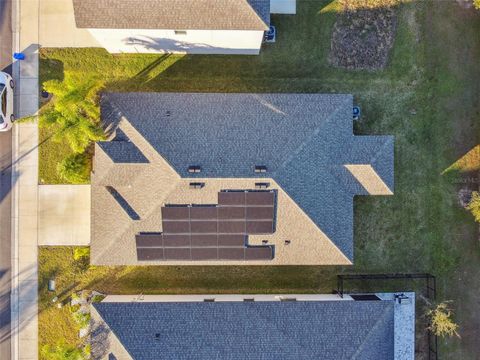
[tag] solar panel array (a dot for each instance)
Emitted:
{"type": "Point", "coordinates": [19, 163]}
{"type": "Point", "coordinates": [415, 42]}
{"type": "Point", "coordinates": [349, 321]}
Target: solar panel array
{"type": "Point", "coordinates": [212, 232]}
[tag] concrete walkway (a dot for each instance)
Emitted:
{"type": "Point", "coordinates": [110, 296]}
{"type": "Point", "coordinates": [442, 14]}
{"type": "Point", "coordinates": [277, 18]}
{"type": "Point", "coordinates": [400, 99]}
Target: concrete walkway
{"type": "Point", "coordinates": [25, 186]}
{"type": "Point", "coordinates": [64, 215]}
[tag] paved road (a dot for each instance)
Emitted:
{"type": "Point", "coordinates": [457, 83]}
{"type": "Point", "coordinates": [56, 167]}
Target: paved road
{"type": "Point", "coordinates": [5, 190]}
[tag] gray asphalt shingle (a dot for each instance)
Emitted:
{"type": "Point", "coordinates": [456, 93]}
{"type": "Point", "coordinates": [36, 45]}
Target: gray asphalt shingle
{"type": "Point", "coordinates": [328, 330]}
{"type": "Point", "coordinates": [304, 140]}
{"type": "Point", "coordinates": [122, 152]}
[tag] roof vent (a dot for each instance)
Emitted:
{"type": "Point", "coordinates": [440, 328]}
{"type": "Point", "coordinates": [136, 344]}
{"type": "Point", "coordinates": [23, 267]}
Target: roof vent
{"type": "Point", "coordinates": [168, 113]}
{"type": "Point", "coordinates": [402, 299]}
{"type": "Point", "coordinates": [197, 185]}
{"type": "Point", "coordinates": [262, 185]}
{"type": "Point", "coordinates": [194, 169]}
{"type": "Point", "coordinates": [157, 336]}
{"type": "Point", "coordinates": [260, 169]}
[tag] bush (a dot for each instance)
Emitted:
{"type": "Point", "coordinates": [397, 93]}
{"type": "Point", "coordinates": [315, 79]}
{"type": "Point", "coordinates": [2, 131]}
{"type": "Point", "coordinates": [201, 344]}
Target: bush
{"type": "Point", "coordinates": [75, 169]}
{"type": "Point", "coordinates": [61, 351]}
{"type": "Point", "coordinates": [441, 322]}
{"type": "Point", "coordinates": [81, 252]}
{"type": "Point", "coordinates": [83, 320]}
{"type": "Point", "coordinates": [474, 205]}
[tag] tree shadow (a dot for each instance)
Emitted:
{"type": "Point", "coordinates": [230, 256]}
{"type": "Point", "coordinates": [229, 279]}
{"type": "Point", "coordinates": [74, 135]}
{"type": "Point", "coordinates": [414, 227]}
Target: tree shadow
{"type": "Point", "coordinates": [138, 80]}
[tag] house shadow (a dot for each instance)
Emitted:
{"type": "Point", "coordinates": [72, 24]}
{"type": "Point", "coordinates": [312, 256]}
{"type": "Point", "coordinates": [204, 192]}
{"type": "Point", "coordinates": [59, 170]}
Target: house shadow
{"type": "Point", "coordinates": [159, 44]}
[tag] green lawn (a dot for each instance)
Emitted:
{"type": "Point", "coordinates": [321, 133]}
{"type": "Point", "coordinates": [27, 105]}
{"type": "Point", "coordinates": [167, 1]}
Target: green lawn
{"type": "Point", "coordinates": [427, 97]}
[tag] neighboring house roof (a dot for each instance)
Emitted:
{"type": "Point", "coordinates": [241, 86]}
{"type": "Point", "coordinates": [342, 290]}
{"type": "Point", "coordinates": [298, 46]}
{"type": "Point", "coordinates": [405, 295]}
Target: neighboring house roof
{"type": "Point", "coordinates": [328, 330]}
{"type": "Point", "coordinates": [306, 142]}
{"type": "Point", "coordinates": [173, 14]}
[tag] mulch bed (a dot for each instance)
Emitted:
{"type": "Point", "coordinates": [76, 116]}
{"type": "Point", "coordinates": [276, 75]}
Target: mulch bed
{"type": "Point", "coordinates": [362, 39]}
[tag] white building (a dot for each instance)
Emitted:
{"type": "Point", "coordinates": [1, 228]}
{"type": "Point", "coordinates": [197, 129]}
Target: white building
{"type": "Point", "coordinates": [179, 26]}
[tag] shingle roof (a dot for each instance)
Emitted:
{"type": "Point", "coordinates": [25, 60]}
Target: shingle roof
{"type": "Point", "coordinates": [327, 330]}
{"type": "Point", "coordinates": [173, 14]}
{"type": "Point", "coordinates": [123, 152]}
{"type": "Point", "coordinates": [304, 140]}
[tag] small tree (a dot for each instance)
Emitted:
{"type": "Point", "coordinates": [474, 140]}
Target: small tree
{"type": "Point", "coordinates": [474, 205]}
{"type": "Point", "coordinates": [74, 112]}
{"type": "Point", "coordinates": [441, 322]}
{"type": "Point", "coordinates": [61, 351]}
{"type": "Point", "coordinates": [476, 4]}
{"type": "Point", "coordinates": [74, 169]}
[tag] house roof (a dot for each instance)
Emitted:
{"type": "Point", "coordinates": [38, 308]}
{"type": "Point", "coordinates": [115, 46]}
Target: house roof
{"type": "Point", "coordinates": [122, 152]}
{"type": "Point", "coordinates": [304, 140]}
{"type": "Point", "coordinates": [173, 14]}
{"type": "Point", "coordinates": [252, 330]}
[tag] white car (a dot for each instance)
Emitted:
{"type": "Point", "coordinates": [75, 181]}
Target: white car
{"type": "Point", "coordinates": [6, 102]}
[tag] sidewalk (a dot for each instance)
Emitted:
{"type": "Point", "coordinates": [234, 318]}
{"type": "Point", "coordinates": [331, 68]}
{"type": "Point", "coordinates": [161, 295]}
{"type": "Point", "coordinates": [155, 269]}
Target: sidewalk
{"type": "Point", "coordinates": [25, 185]}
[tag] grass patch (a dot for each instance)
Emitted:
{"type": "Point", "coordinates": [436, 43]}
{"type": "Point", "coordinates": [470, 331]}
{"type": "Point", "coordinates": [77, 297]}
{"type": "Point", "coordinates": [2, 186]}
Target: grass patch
{"type": "Point", "coordinates": [425, 97]}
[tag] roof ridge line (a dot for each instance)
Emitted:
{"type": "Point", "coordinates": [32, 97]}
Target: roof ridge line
{"type": "Point", "coordinates": [388, 140]}
{"type": "Point", "coordinates": [372, 329]}
{"type": "Point", "coordinates": [307, 141]}
{"type": "Point", "coordinates": [111, 329]}
{"type": "Point", "coordinates": [255, 13]}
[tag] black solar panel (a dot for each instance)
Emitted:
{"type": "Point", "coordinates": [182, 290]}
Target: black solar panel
{"type": "Point", "coordinates": [203, 212]}
{"type": "Point", "coordinates": [231, 253]}
{"type": "Point", "coordinates": [204, 240]}
{"type": "Point", "coordinates": [175, 212]}
{"type": "Point", "coordinates": [231, 198]}
{"type": "Point", "coordinates": [149, 254]}
{"type": "Point", "coordinates": [177, 254]}
{"type": "Point", "coordinates": [231, 240]}
{"type": "Point", "coordinates": [149, 240]}
{"type": "Point", "coordinates": [176, 227]}
{"type": "Point", "coordinates": [205, 253]}
{"type": "Point", "coordinates": [231, 213]}
{"type": "Point", "coordinates": [176, 240]}
{"type": "Point", "coordinates": [259, 227]}
{"type": "Point", "coordinates": [212, 232]}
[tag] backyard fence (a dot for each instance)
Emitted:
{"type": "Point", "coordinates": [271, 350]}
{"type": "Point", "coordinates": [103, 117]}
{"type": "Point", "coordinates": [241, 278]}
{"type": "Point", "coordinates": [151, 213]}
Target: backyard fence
{"type": "Point", "coordinates": [430, 291]}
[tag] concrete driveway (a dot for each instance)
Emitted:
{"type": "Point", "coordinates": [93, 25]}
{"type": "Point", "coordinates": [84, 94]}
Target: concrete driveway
{"type": "Point", "coordinates": [64, 215]}
{"type": "Point", "coordinates": [57, 26]}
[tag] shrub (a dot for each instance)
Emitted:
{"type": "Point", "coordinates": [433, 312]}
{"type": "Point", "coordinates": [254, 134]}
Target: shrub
{"type": "Point", "coordinates": [474, 205]}
{"type": "Point", "coordinates": [81, 252]}
{"type": "Point", "coordinates": [74, 113]}
{"type": "Point", "coordinates": [82, 319]}
{"type": "Point", "coordinates": [61, 351]}
{"type": "Point", "coordinates": [441, 322]}
{"type": "Point", "coordinates": [74, 168]}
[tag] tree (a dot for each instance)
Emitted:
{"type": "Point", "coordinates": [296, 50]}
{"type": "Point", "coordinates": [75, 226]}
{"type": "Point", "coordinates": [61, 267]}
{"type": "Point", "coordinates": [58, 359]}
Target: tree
{"type": "Point", "coordinates": [474, 205]}
{"type": "Point", "coordinates": [74, 112]}
{"type": "Point", "coordinates": [74, 169]}
{"type": "Point", "coordinates": [476, 4]}
{"type": "Point", "coordinates": [61, 351]}
{"type": "Point", "coordinates": [441, 322]}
